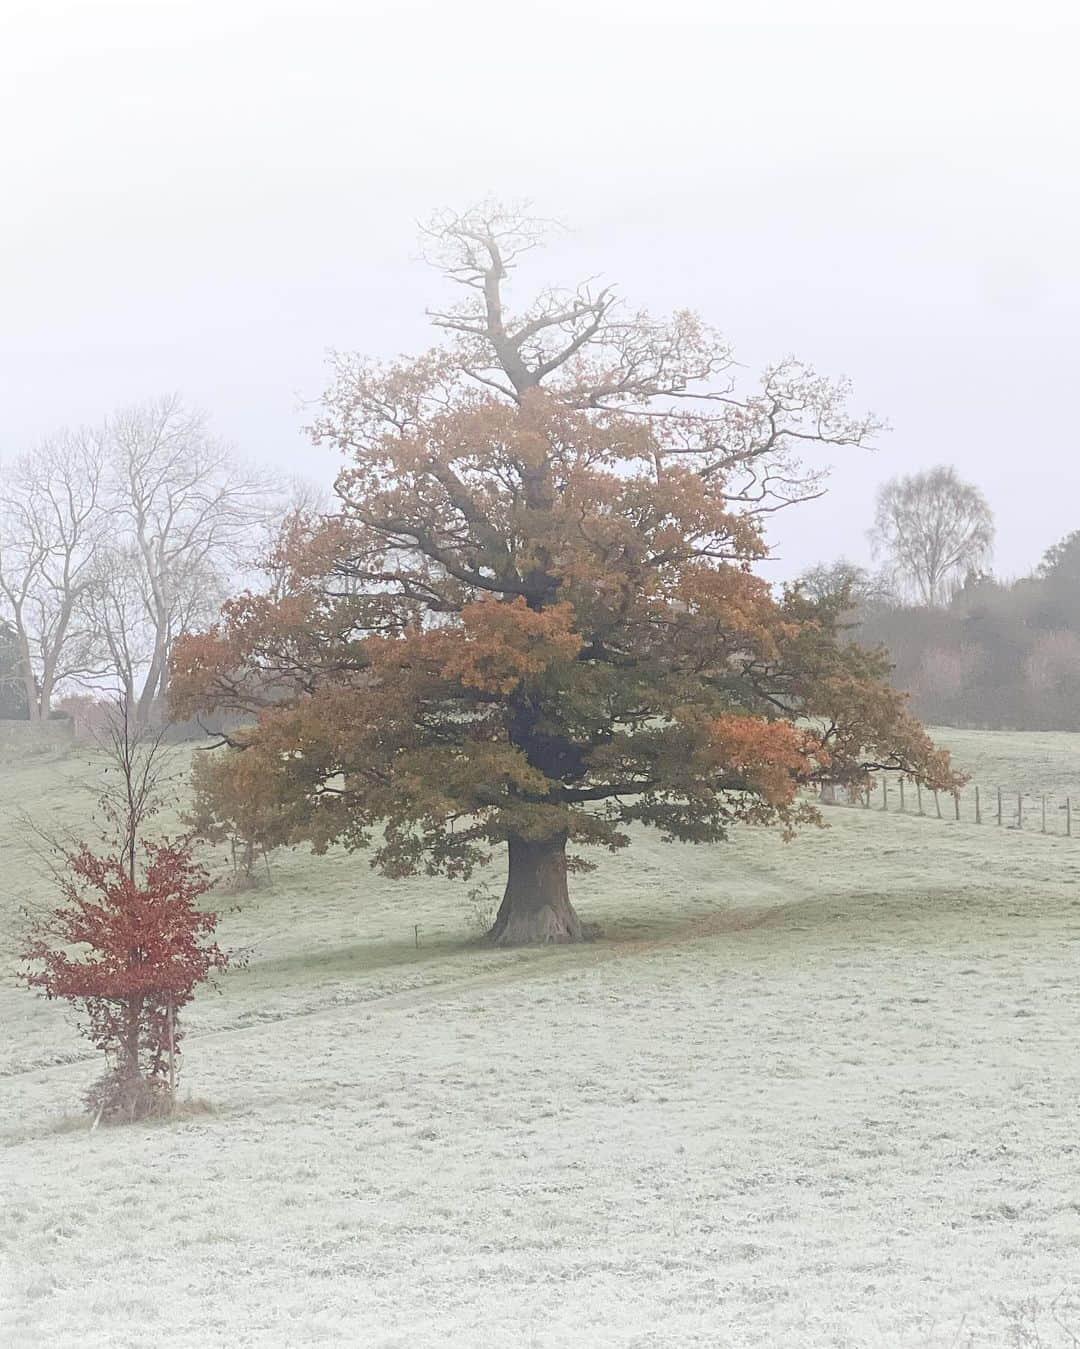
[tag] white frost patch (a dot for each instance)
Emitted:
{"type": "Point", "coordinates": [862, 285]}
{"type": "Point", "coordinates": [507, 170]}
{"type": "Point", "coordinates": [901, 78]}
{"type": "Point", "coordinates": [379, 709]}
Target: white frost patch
{"type": "Point", "coordinates": [843, 1114]}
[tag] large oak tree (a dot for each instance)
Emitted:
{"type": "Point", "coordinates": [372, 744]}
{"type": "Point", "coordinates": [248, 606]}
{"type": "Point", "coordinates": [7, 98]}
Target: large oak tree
{"type": "Point", "coordinates": [533, 619]}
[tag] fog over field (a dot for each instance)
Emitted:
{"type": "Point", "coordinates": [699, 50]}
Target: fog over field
{"type": "Point", "coordinates": [539, 675]}
{"type": "Point", "coordinates": [210, 195]}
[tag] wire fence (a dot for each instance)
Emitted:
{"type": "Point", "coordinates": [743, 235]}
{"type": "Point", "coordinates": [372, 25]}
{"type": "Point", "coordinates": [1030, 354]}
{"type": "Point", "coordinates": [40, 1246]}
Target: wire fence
{"type": "Point", "coordinates": [1037, 812]}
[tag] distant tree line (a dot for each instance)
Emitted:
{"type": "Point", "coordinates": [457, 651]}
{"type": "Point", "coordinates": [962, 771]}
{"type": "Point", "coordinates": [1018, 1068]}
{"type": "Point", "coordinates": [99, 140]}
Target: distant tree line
{"type": "Point", "coordinates": [970, 649]}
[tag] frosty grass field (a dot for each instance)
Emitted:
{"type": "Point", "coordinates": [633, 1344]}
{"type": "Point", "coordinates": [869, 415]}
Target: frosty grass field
{"type": "Point", "coordinates": [813, 1094]}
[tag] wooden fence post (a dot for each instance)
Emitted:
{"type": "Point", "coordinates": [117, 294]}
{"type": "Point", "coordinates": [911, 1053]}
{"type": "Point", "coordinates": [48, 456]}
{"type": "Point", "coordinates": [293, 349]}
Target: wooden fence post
{"type": "Point", "coordinates": [978, 805]}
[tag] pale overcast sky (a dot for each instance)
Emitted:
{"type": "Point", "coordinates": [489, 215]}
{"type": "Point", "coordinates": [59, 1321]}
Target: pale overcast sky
{"type": "Point", "coordinates": [206, 196]}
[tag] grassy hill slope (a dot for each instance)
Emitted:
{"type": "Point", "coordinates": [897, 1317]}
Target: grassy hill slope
{"type": "Point", "coordinates": [810, 1094]}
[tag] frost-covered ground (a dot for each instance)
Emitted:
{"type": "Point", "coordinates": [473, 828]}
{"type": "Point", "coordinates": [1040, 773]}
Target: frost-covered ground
{"type": "Point", "coordinates": [822, 1094]}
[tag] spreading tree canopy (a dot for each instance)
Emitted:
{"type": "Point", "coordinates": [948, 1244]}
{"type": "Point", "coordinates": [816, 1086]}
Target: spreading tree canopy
{"type": "Point", "coordinates": [533, 619]}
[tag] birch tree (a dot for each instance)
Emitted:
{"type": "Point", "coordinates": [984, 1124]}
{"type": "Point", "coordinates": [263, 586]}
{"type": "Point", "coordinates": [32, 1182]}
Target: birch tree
{"type": "Point", "coordinates": [933, 529]}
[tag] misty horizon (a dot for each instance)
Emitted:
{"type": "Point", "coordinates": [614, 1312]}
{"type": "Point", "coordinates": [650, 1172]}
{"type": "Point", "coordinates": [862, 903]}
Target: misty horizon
{"type": "Point", "coordinates": [215, 222]}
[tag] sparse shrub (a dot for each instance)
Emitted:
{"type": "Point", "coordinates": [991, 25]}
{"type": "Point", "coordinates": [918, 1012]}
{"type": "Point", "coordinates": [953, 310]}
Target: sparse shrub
{"type": "Point", "coordinates": [481, 910]}
{"type": "Point", "coordinates": [141, 947]}
{"type": "Point", "coordinates": [128, 944]}
{"type": "Point", "coordinates": [232, 803]}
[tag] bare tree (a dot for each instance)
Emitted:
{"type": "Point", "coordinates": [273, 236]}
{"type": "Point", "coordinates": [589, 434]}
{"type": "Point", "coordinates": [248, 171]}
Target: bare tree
{"type": "Point", "coordinates": [192, 515]}
{"type": "Point", "coordinates": [848, 581]}
{"type": "Point", "coordinates": [932, 529]}
{"type": "Point", "coordinates": [53, 523]}
{"type": "Point", "coordinates": [113, 543]}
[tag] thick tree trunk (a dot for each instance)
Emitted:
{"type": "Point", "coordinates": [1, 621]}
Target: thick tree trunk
{"type": "Point", "coordinates": [144, 709]}
{"type": "Point", "coordinates": [536, 907]}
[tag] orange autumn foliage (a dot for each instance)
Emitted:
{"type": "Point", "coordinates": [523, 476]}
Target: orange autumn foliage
{"type": "Point", "coordinates": [534, 619]}
{"type": "Point", "coordinates": [500, 645]}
